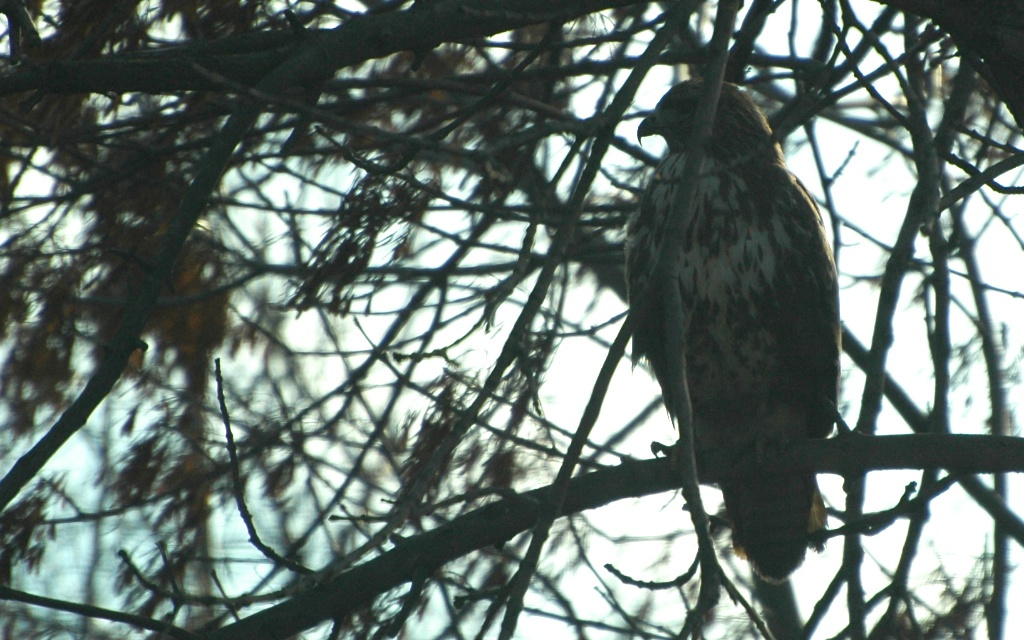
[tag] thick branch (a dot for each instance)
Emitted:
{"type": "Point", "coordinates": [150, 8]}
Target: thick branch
{"type": "Point", "coordinates": [247, 59]}
{"type": "Point", "coordinates": [498, 522]}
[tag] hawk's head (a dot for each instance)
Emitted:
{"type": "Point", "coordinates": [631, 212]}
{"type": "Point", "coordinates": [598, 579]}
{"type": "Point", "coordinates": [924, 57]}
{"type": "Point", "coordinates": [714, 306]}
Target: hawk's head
{"type": "Point", "coordinates": [740, 127]}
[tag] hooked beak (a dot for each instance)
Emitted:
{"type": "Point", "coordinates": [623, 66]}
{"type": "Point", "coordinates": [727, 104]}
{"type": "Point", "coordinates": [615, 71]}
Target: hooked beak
{"type": "Point", "coordinates": [648, 127]}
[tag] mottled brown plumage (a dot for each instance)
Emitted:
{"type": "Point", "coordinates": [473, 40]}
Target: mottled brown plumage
{"type": "Point", "coordinates": [759, 291]}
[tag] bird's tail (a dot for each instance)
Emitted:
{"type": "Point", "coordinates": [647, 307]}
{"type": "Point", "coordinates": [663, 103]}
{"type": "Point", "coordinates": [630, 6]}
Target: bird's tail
{"type": "Point", "coordinates": [772, 516]}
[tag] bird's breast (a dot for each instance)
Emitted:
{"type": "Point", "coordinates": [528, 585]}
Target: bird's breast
{"type": "Point", "coordinates": [730, 247]}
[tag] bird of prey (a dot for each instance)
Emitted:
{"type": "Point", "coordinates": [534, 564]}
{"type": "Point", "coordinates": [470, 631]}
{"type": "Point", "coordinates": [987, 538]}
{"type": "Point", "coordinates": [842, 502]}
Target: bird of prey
{"type": "Point", "coordinates": [760, 312]}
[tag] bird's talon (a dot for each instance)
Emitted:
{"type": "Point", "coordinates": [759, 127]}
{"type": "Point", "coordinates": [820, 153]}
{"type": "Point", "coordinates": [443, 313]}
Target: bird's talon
{"type": "Point", "coordinates": [659, 449]}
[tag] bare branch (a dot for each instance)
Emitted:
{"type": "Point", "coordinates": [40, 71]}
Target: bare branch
{"type": "Point", "coordinates": [501, 520]}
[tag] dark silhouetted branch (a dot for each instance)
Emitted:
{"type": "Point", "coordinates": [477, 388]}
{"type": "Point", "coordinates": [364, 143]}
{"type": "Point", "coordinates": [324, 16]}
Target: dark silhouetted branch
{"type": "Point", "coordinates": [498, 522]}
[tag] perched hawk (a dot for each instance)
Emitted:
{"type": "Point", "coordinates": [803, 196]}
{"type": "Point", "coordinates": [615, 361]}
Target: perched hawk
{"type": "Point", "coordinates": [761, 308]}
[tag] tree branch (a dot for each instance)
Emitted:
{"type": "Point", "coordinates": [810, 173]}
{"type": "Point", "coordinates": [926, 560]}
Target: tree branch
{"type": "Point", "coordinates": [165, 629]}
{"type": "Point", "coordinates": [249, 58]}
{"type": "Point", "coordinates": [496, 523]}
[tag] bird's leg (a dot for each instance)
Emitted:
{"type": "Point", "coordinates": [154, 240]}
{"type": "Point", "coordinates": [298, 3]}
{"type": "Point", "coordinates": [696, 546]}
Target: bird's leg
{"type": "Point", "coordinates": [674, 453]}
{"type": "Point", "coordinates": [661, 449]}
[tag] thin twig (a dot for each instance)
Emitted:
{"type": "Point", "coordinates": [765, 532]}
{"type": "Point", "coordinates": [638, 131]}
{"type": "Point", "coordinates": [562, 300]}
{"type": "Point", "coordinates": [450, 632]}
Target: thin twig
{"type": "Point", "coordinates": [675, 583]}
{"type": "Point", "coordinates": [668, 255]}
{"type": "Point", "coordinates": [624, 97]}
{"type": "Point", "coordinates": [97, 613]}
{"type": "Point", "coordinates": [239, 488]}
